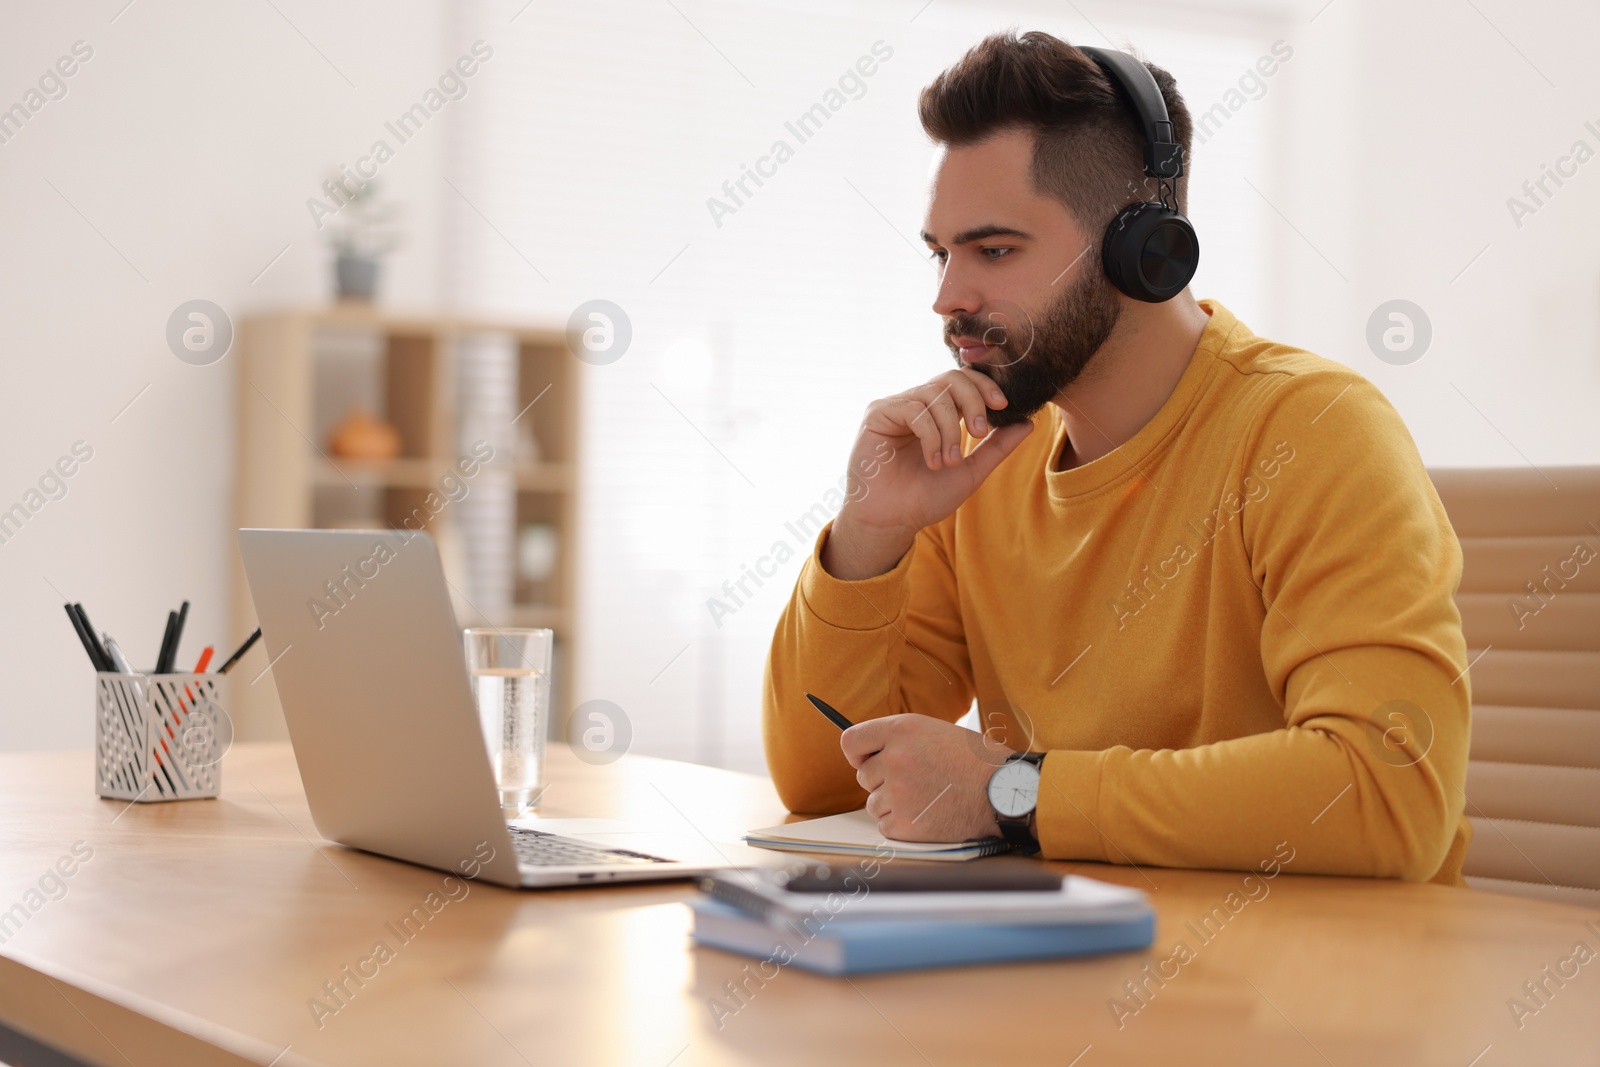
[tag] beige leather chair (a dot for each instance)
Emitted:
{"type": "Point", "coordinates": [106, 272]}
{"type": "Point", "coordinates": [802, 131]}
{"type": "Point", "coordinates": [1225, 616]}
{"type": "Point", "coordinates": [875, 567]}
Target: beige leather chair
{"type": "Point", "coordinates": [1530, 606]}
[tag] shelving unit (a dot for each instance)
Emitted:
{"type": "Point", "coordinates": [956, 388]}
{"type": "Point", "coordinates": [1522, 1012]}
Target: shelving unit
{"type": "Point", "coordinates": [300, 371]}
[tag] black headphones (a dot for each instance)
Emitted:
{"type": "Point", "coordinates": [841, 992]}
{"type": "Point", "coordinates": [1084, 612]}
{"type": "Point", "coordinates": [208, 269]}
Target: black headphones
{"type": "Point", "coordinates": [1150, 251]}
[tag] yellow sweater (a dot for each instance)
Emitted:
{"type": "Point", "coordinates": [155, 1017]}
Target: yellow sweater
{"type": "Point", "coordinates": [1234, 631]}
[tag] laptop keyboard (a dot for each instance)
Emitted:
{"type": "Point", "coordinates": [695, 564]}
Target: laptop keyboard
{"type": "Point", "coordinates": [535, 848]}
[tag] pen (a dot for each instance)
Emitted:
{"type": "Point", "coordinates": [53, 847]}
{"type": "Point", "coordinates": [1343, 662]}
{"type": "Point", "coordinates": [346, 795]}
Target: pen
{"type": "Point", "coordinates": [169, 645]}
{"type": "Point", "coordinates": [832, 716]}
{"type": "Point", "coordinates": [83, 635]}
{"type": "Point", "coordinates": [114, 651]}
{"type": "Point", "coordinates": [88, 628]}
{"type": "Point", "coordinates": [227, 664]}
{"type": "Point", "coordinates": [166, 641]}
{"type": "Point", "coordinates": [199, 668]}
{"type": "Point", "coordinates": [177, 636]}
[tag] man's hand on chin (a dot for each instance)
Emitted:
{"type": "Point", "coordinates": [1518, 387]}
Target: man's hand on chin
{"type": "Point", "coordinates": [928, 779]}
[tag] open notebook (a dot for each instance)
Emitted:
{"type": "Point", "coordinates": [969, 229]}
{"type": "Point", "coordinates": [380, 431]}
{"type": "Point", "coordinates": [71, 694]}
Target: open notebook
{"type": "Point", "coordinates": [855, 833]}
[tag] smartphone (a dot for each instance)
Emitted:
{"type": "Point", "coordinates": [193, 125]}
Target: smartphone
{"type": "Point", "coordinates": [909, 876]}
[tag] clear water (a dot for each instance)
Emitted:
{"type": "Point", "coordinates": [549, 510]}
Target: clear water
{"type": "Point", "coordinates": [514, 708]}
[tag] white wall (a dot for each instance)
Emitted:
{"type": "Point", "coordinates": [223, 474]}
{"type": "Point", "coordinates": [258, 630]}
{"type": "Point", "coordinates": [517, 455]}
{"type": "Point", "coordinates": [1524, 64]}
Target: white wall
{"type": "Point", "coordinates": [1412, 125]}
{"type": "Point", "coordinates": [1519, 333]}
{"type": "Point", "coordinates": [190, 141]}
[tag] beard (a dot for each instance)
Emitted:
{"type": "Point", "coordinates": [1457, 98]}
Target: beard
{"type": "Point", "coordinates": [1032, 366]}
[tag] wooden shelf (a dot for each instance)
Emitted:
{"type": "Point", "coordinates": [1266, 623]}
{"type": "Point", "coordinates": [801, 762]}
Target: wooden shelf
{"type": "Point", "coordinates": [301, 370]}
{"type": "Point", "coordinates": [547, 477]}
{"type": "Point", "coordinates": [544, 615]}
{"type": "Point", "coordinates": [426, 473]}
{"type": "Point", "coordinates": [363, 315]}
{"type": "Point", "coordinates": [404, 473]}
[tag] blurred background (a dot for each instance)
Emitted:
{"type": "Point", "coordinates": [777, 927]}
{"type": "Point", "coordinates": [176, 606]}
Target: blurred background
{"type": "Point", "coordinates": [653, 501]}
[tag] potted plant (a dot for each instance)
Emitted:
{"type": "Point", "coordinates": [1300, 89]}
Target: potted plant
{"type": "Point", "coordinates": [363, 232]}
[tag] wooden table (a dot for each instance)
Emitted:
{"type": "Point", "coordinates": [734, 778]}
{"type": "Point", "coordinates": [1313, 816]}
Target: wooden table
{"type": "Point", "coordinates": [198, 933]}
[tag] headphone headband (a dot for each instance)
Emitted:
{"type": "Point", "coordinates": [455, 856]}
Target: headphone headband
{"type": "Point", "coordinates": [1149, 251]}
{"type": "Point", "coordinates": [1163, 157]}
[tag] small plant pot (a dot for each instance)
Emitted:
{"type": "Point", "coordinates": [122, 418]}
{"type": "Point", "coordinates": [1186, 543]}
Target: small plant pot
{"type": "Point", "coordinates": [356, 277]}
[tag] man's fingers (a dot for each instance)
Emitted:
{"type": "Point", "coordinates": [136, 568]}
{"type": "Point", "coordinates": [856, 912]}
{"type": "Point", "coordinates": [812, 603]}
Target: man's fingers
{"type": "Point", "coordinates": [934, 413]}
{"type": "Point", "coordinates": [990, 392]}
{"type": "Point", "coordinates": [971, 392]}
{"type": "Point", "coordinates": [878, 805]}
{"type": "Point", "coordinates": [901, 416]}
{"type": "Point", "coordinates": [869, 775]}
{"type": "Point", "coordinates": [942, 409]}
{"type": "Point", "coordinates": [993, 450]}
{"type": "Point", "coordinates": [862, 741]}
{"type": "Point", "coordinates": [969, 398]}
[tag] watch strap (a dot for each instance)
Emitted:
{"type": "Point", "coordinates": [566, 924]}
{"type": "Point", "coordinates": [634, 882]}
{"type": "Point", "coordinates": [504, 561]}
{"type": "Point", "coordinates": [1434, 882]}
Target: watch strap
{"type": "Point", "coordinates": [1018, 836]}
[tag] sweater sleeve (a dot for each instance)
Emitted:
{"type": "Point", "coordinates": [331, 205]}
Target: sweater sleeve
{"type": "Point", "coordinates": [880, 646]}
{"type": "Point", "coordinates": [1357, 567]}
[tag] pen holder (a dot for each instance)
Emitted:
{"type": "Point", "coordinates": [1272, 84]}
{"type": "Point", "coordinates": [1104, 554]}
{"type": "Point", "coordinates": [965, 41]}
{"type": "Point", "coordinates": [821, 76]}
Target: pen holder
{"type": "Point", "coordinates": [158, 736]}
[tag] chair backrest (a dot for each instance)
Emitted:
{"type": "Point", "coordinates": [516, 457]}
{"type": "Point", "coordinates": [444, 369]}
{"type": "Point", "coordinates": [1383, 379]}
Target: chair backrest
{"type": "Point", "coordinates": [1530, 607]}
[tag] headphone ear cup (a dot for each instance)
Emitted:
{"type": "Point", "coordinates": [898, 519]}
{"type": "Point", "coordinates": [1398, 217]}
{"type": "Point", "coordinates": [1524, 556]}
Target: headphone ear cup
{"type": "Point", "coordinates": [1150, 252]}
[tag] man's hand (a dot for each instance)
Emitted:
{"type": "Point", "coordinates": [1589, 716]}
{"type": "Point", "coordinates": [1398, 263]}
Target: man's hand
{"type": "Point", "coordinates": [907, 470]}
{"type": "Point", "coordinates": [928, 779]}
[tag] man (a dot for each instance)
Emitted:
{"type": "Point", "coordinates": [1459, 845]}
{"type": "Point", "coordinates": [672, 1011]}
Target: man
{"type": "Point", "coordinates": [1203, 575]}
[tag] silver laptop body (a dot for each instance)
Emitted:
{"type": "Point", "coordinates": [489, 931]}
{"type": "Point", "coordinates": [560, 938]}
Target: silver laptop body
{"type": "Point", "coordinates": [368, 663]}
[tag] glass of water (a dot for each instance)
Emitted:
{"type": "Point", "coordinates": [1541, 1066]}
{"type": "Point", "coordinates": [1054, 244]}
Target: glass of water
{"type": "Point", "coordinates": [510, 671]}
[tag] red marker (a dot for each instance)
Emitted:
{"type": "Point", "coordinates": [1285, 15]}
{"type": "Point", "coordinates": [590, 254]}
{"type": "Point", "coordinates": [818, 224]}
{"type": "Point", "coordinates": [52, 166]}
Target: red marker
{"type": "Point", "coordinates": [183, 706]}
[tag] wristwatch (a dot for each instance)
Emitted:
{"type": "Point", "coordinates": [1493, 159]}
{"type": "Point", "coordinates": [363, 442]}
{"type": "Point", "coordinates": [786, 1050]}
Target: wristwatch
{"type": "Point", "coordinates": [1014, 794]}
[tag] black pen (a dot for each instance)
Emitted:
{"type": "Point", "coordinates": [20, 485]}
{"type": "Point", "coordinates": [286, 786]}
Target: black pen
{"type": "Point", "coordinates": [166, 643]}
{"type": "Point", "coordinates": [832, 716]}
{"type": "Point", "coordinates": [249, 643]}
{"type": "Point", "coordinates": [83, 635]}
{"type": "Point", "coordinates": [88, 628]}
{"type": "Point", "coordinates": [177, 637]}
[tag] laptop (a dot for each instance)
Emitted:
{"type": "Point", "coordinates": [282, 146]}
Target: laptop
{"type": "Point", "coordinates": [367, 658]}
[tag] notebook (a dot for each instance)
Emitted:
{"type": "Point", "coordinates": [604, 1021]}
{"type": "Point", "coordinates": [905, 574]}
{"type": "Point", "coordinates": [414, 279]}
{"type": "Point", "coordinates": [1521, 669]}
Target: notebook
{"type": "Point", "coordinates": [855, 833]}
{"type": "Point", "coordinates": [866, 946]}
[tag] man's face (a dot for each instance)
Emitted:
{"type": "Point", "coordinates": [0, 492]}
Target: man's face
{"type": "Point", "coordinates": [1021, 290]}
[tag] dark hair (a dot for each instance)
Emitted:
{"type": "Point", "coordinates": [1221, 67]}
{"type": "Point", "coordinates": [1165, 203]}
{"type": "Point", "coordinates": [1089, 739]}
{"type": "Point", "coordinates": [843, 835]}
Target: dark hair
{"type": "Point", "coordinates": [1088, 149]}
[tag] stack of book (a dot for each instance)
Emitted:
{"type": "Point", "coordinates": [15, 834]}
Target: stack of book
{"type": "Point", "coordinates": [902, 915]}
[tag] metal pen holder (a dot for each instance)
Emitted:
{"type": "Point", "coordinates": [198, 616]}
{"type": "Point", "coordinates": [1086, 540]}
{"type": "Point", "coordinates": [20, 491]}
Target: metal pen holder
{"type": "Point", "coordinates": [158, 736]}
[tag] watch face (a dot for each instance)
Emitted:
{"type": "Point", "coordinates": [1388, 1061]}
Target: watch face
{"type": "Point", "coordinates": [1014, 788]}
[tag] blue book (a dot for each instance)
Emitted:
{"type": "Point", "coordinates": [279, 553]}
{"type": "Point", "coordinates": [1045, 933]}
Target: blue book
{"type": "Point", "coordinates": [867, 946]}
